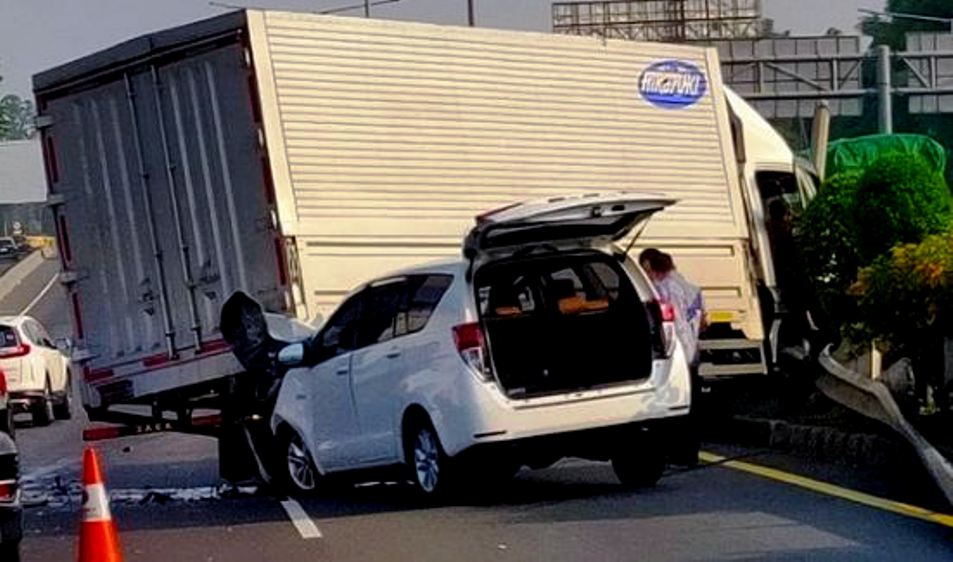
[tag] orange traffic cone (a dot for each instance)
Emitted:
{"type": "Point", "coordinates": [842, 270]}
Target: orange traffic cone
{"type": "Point", "coordinates": [98, 539]}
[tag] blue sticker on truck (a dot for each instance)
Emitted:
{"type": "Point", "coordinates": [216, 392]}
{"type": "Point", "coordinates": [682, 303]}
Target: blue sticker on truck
{"type": "Point", "coordinates": [673, 84]}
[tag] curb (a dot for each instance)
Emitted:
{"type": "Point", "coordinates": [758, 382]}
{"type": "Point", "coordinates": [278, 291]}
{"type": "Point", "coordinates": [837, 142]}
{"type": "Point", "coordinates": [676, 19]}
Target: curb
{"type": "Point", "coordinates": [16, 274]}
{"type": "Point", "coordinates": [819, 442]}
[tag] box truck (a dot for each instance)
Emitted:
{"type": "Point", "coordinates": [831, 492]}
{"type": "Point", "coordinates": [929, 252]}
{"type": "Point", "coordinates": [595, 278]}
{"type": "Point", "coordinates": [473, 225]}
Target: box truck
{"type": "Point", "coordinates": [292, 156]}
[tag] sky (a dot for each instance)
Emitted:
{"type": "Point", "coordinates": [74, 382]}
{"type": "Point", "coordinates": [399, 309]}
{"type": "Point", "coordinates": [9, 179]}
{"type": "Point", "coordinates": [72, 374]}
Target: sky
{"type": "Point", "coordinates": [38, 34]}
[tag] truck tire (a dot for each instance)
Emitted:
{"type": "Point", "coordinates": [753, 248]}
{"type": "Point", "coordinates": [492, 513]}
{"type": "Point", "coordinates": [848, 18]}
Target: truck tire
{"type": "Point", "coordinates": [63, 410]}
{"type": "Point", "coordinates": [640, 463]}
{"type": "Point", "coordinates": [10, 551]}
{"type": "Point", "coordinates": [42, 410]}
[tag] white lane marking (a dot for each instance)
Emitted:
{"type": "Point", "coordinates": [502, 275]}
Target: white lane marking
{"type": "Point", "coordinates": [37, 298]}
{"type": "Point", "coordinates": [301, 521]}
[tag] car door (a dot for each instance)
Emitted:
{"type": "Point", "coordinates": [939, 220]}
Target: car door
{"type": "Point", "coordinates": [376, 370]}
{"type": "Point", "coordinates": [334, 424]}
{"type": "Point", "coordinates": [52, 358]}
{"type": "Point", "coordinates": [34, 362]}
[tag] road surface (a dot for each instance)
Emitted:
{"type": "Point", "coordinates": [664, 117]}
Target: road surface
{"type": "Point", "coordinates": [168, 506]}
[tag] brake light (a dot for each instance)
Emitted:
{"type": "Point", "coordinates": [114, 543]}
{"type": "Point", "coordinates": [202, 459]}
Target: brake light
{"type": "Point", "coordinates": [3, 383]}
{"type": "Point", "coordinates": [8, 491]}
{"type": "Point", "coordinates": [471, 345]}
{"type": "Point", "coordinates": [663, 315]}
{"type": "Point", "coordinates": [18, 351]}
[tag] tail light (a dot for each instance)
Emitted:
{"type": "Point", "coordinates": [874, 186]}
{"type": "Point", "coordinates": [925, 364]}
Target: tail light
{"type": "Point", "coordinates": [8, 491]}
{"type": "Point", "coordinates": [663, 327]}
{"type": "Point", "coordinates": [3, 383]}
{"type": "Point", "coordinates": [472, 348]}
{"type": "Point", "coordinates": [18, 351]}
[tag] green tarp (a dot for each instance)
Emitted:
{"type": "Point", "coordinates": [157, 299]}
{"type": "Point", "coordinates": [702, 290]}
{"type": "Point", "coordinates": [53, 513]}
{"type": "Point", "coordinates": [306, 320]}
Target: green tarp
{"type": "Point", "coordinates": [848, 154]}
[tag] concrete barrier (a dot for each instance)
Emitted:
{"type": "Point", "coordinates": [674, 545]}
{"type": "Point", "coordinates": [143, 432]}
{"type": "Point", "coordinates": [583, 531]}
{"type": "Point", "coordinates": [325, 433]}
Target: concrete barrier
{"type": "Point", "coordinates": [16, 274]}
{"type": "Point", "coordinates": [872, 399]}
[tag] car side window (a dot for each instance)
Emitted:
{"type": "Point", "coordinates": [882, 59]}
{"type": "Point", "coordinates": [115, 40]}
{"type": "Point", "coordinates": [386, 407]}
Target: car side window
{"type": "Point", "coordinates": [340, 334]}
{"type": "Point", "coordinates": [43, 338]}
{"type": "Point", "coordinates": [377, 318]}
{"type": "Point", "coordinates": [422, 296]}
{"type": "Point", "coordinates": [26, 330]}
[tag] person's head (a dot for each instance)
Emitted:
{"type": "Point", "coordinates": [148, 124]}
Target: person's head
{"type": "Point", "coordinates": [778, 210]}
{"type": "Point", "coordinates": [656, 263]}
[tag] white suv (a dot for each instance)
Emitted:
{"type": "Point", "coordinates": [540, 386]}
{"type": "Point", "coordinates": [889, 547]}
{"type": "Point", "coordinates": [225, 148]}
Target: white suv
{"type": "Point", "coordinates": [37, 373]}
{"type": "Point", "coordinates": [544, 341]}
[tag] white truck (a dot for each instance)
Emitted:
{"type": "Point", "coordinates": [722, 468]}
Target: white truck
{"type": "Point", "coordinates": [292, 156]}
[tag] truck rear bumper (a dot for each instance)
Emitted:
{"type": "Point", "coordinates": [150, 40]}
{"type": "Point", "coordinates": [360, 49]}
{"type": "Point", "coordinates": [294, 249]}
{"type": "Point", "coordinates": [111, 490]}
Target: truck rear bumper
{"type": "Point", "coordinates": [731, 357]}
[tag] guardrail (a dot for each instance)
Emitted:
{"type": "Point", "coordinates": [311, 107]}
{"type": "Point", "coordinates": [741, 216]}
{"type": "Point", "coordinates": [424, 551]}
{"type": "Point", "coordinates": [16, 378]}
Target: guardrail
{"type": "Point", "coordinates": [872, 399]}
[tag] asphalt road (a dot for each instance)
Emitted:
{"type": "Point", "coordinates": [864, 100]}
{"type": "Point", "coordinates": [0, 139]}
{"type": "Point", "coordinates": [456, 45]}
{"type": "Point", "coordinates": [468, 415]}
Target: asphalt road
{"type": "Point", "coordinates": [168, 506]}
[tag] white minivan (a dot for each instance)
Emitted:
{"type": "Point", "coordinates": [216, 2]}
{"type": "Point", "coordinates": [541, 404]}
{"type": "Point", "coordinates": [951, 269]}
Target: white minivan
{"type": "Point", "coordinates": [544, 340]}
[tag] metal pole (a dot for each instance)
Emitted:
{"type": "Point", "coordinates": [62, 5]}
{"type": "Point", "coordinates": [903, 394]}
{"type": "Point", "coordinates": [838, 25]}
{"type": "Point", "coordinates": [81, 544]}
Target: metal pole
{"type": "Point", "coordinates": [471, 19]}
{"type": "Point", "coordinates": [820, 135]}
{"type": "Point", "coordinates": [884, 90]}
{"type": "Point", "coordinates": [367, 8]}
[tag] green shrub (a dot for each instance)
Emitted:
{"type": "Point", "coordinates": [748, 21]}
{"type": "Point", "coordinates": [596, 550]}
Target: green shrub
{"type": "Point", "coordinates": [906, 295]}
{"type": "Point", "coordinates": [828, 256]}
{"type": "Point", "coordinates": [900, 200]}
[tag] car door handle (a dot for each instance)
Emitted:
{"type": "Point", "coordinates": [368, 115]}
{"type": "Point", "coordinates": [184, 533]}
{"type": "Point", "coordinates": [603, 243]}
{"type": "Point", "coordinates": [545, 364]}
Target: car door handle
{"type": "Point", "coordinates": [393, 354]}
{"type": "Point", "coordinates": [343, 371]}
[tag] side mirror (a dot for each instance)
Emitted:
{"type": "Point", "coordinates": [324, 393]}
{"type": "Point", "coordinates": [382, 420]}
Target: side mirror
{"type": "Point", "coordinates": [291, 355]}
{"type": "Point", "coordinates": [65, 345]}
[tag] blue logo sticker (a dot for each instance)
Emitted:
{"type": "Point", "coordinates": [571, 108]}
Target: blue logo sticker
{"type": "Point", "coordinates": [673, 84]}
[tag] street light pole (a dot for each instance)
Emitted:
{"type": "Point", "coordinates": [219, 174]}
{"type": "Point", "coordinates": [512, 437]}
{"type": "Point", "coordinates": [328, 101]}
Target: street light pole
{"type": "Point", "coordinates": [471, 19]}
{"type": "Point", "coordinates": [367, 8]}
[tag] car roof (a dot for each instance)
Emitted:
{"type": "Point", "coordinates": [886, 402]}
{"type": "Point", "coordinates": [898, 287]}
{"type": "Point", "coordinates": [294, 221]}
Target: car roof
{"type": "Point", "coordinates": [444, 266]}
{"type": "Point", "coordinates": [13, 320]}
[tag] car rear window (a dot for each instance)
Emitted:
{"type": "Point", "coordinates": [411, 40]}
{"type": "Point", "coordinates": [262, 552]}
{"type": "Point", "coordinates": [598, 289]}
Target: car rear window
{"type": "Point", "coordinates": [8, 337]}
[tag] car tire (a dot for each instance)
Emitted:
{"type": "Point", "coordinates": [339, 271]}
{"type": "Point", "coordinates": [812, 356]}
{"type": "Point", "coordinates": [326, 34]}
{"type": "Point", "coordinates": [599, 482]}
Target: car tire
{"type": "Point", "coordinates": [64, 409]}
{"type": "Point", "coordinates": [42, 411]}
{"type": "Point", "coordinates": [6, 422]}
{"type": "Point", "coordinates": [641, 463]}
{"type": "Point", "coordinates": [298, 474]}
{"type": "Point", "coordinates": [430, 470]}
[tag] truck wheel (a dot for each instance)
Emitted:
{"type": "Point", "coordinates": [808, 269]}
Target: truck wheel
{"type": "Point", "coordinates": [42, 410]}
{"type": "Point", "coordinates": [298, 474]}
{"type": "Point", "coordinates": [6, 422]}
{"type": "Point", "coordinates": [64, 409]}
{"type": "Point", "coordinates": [429, 465]}
{"type": "Point", "coordinates": [640, 463]}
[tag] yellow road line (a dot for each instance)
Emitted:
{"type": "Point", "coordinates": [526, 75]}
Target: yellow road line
{"type": "Point", "coordinates": [831, 490]}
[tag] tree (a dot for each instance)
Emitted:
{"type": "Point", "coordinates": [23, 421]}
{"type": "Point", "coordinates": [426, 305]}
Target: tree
{"type": "Point", "coordinates": [892, 31]}
{"type": "Point", "coordinates": [16, 117]}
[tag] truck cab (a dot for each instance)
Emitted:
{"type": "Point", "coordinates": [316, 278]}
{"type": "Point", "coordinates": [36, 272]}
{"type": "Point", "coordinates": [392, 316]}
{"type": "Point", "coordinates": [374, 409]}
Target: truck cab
{"type": "Point", "coordinates": [776, 187]}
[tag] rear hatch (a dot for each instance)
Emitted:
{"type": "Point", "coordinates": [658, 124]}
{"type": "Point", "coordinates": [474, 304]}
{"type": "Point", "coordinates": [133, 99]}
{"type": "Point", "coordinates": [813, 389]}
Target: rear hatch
{"type": "Point", "coordinates": [11, 356]}
{"type": "Point", "coordinates": [558, 314]}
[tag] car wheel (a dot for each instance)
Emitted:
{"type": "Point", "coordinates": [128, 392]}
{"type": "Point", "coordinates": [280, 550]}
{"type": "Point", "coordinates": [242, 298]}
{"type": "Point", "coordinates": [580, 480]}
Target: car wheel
{"type": "Point", "coordinates": [6, 422]}
{"type": "Point", "coordinates": [42, 411]}
{"type": "Point", "coordinates": [64, 409]}
{"type": "Point", "coordinates": [640, 464]}
{"type": "Point", "coordinates": [428, 463]}
{"type": "Point", "coordinates": [299, 475]}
